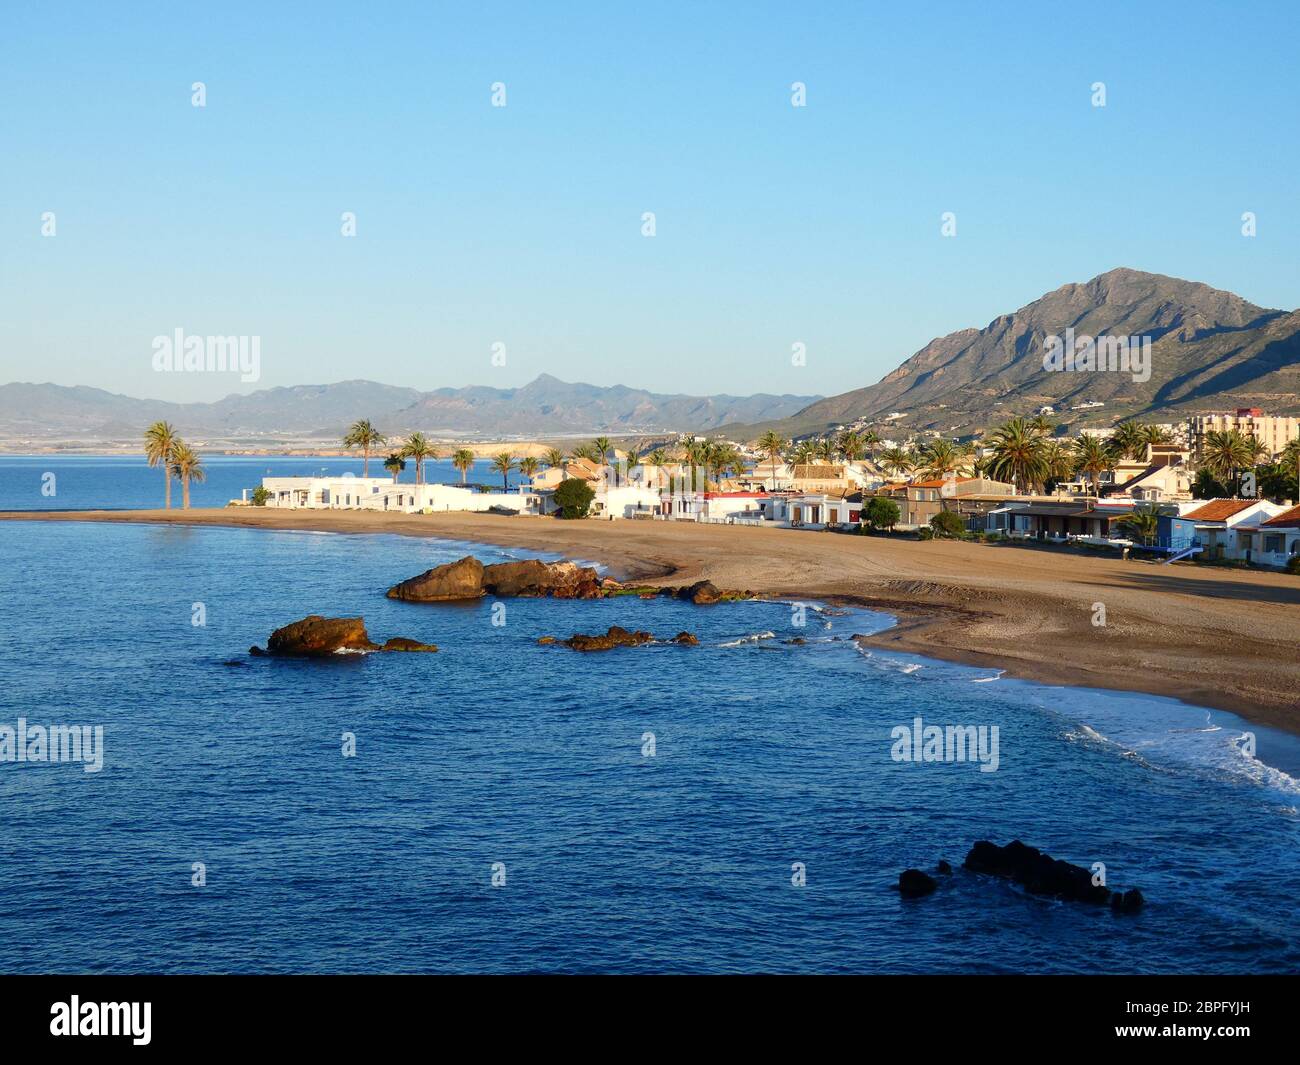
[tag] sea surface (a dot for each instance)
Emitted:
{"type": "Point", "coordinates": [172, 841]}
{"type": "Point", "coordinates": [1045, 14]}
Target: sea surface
{"type": "Point", "coordinates": [127, 482]}
{"type": "Point", "coordinates": [512, 807]}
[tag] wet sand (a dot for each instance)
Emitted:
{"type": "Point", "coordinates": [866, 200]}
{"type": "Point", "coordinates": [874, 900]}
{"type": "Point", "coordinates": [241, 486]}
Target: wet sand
{"type": "Point", "coordinates": [1214, 636]}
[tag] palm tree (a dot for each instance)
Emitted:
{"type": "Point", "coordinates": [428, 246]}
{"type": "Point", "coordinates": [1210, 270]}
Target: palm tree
{"type": "Point", "coordinates": [503, 464]}
{"type": "Point", "coordinates": [365, 436]}
{"type": "Point", "coordinates": [1039, 424]}
{"type": "Point", "coordinates": [528, 466]}
{"type": "Point", "coordinates": [771, 444]}
{"type": "Point", "coordinates": [849, 446]}
{"type": "Point", "coordinates": [160, 442]}
{"type": "Point", "coordinates": [896, 461]}
{"type": "Point", "coordinates": [602, 446]}
{"type": "Point", "coordinates": [825, 449]}
{"type": "Point", "coordinates": [419, 448]}
{"type": "Point", "coordinates": [462, 459]}
{"type": "Point", "coordinates": [186, 466]}
{"type": "Point", "coordinates": [871, 441]}
{"type": "Point", "coordinates": [1143, 524]}
{"type": "Point", "coordinates": [394, 464]}
{"type": "Point", "coordinates": [1130, 440]}
{"type": "Point", "coordinates": [696, 452]}
{"type": "Point", "coordinates": [803, 452]}
{"type": "Point", "coordinates": [1059, 461]}
{"type": "Point", "coordinates": [554, 457]}
{"type": "Point", "coordinates": [1018, 455]}
{"type": "Point", "coordinates": [1093, 457]}
{"type": "Point", "coordinates": [1225, 453]}
{"type": "Point", "coordinates": [1156, 435]}
{"type": "Point", "coordinates": [587, 451]}
{"type": "Point", "coordinates": [941, 457]}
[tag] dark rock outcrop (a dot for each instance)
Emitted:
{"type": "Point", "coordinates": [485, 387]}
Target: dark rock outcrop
{"type": "Point", "coordinates": [615, 637]}
{"type": "Point", "coordinates": [462, 579]}
{"type": "Point", "coordinates": [1036, 872]}
{"type": "Point", "coordinates": [943, 868]}
{"type": "Point", "coordinates": [912, 883]}
{"type": "Point", "coordinates": [701, 593]}
{"type": "Point", "coordinates": [1127, 901]}
{"type": "Point", "coordinates": [401, 643]}
{"type": "Point", "coordinates": [316, 636]}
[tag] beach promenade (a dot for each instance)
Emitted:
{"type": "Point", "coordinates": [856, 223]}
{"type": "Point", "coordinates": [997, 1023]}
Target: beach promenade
{"type": "Point", "coordinates": [1219, 637]}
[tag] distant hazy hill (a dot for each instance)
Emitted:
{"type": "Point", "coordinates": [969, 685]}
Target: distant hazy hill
{"type": "Point", "coordinates": [1210, 350]}
{"type": "Point", "coordinates": [546, 405]}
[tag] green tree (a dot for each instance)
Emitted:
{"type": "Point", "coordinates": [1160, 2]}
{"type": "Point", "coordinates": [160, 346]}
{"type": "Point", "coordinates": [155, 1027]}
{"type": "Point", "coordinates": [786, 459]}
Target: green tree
{"type": "Point", "coordinates": [186, 466]}
{"type": "Point", "coordinates": [160, 442]}
{"type": "Point", "coordinates": [1018, 454]}
{"type": "Point", "coordinates": [503, 464]}
{"type": "Point", "coordinates": [881, 512]}
{"type": "Point", "coordinates": [771, 445]}
{"type": "Point", "coordinates": [462, 459]}
{"type": "Point", "coordinates": [394, 464]}
{"type": "Point", "coordinates": [1093, 457]}
{"type": "Point", "coordinates": [574, 497]}
{"type": "Point", "coordinates": [948, 523]}
{"type": "Point", "coordinates": [602, 446]}
{"type": "Point", "coordinates": [896, 461]}
{"type": "Point", "coordinates": [528, 466]}
{"type": "Point", "coordinates": [941, 457]}
{"type": "Point", "coordinates": [1143, 524]}
{"type": "Point", "coordinates": [418, 448]}
{"type": "Point", "coordinates": [553, 457]}
{"type": "Point", "coordinates": [367, 437]}
{"type": "Point", "coordinates": [260, 495]}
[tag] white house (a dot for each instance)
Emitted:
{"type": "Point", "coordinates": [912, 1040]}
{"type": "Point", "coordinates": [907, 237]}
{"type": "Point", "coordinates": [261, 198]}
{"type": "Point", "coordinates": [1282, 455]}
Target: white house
{"type": "Point", "coordinates": [1218, 521]}
{"type": "Point", "coordinates": [381, 493]}
{"type": "Point", "coordinates": [715, 507]}
{"type": "Point", "coordinates": [1270, 541]}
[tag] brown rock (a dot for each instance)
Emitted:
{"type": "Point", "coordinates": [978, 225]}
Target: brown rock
{"type": "Point", "coordinates": [401, 643]}
{"type": "Point", "coordinates": [531, 577]}
{"type": "Point", "coordinates": [615, 637]}
{"type": "Point", "coordinates": [547, 640]}
{"type": "Point", "coordinates": [315, 635]}
{"type": "Point", "coordinates": [686, 638]}
{"type": "Point", "coordinates": [462, 579]}
{"type": "Point", "coordinates": [702, 593]}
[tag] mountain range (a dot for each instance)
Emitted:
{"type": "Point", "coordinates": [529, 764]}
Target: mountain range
{"type": "Point", "coordinates": [1210, 350]}
{"type": "Point", "coordinates": [547, 405]}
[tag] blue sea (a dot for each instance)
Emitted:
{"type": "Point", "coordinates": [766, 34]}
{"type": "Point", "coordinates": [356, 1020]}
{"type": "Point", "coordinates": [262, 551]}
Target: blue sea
{"type": "Point", "coordinates": [512, 807]}
{"type": "Point", "coordinates": [127, 482]}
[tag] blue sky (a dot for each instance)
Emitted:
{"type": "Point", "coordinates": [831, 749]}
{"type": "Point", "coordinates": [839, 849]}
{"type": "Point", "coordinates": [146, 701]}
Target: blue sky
{"type": "Point", "coordinates": [522, 224]}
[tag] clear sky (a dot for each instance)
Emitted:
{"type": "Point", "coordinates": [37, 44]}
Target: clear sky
{"type": "Point", "coordinates": [523, 224]}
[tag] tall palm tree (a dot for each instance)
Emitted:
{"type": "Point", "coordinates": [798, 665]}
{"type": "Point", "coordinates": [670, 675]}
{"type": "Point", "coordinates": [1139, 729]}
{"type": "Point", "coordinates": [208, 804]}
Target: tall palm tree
{"type": "Point", "coordinates": [771, 444]}
{"type": "Point", "coordinates": [695, 453]}
{"type": "Point", "coordinates": [1039, 424]}
{"type": "Point", "coordinates": [602, 446]}
{"type": "Point", "coordinates": [503, 464]}
{"type": "Point", "coordinates": [872, 442]}
{"type": "Point", "coordinates": [1225, 453]}
{"type": "Point", "coordinates": [849, 445]}
{"type": "Point", "coordinates": [803, 452]}
{"type": "Point", "coordinates": [1018, 455]}
{"type": "Point", "coordinates": [418, 448]}
{"type": "Point", "coordinates": [528, 466]}
{"type": "Point", "coordinates": [462, 459]}
{"type": "Point", "coordinates": [587, 451]}
{"type": "Point", "coordinates": [825, 449]}
{"type": "Point", "coordinates": [896, 461]}
{"type": "Point", "coordinates": [1093, 457]}
{"type": "Point", "coordinates": [942, 457]}
{"type": "Point", "coordinates": [186, 466]}
{"type": "Point", "coordinates": [1156, 434]}
{"type": "Point", "coordinates": [1059, 461]}
{"type": "Point", "coordinates": [1130, 440]}
{"type": "Point", "coordinates": [365, 436]}
{"type": "Point", "coordinates": [554, 457]}
{"type": "Point", "coordinates": [394, 464]}
{"type": "Point", "coordinates": [160, 442]}
{"type": "Point", "coordinates": [1143, 524]}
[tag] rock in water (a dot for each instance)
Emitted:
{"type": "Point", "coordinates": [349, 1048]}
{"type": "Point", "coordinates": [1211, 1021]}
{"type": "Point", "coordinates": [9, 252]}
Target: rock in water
{"type": "Point", "coordinates": [462, 579]}
{"type": "Point", "coordinates": [912, 883]}
{"type": "Point", "coordinates": [401, 643]}
{"type": "Point", "coordinates": [316, 635]}
{"type": "Point", "coordinates": [531, 577]}
{"type": "Point", "coordinates": [615, 637]}
{"type": "Point", "coordinates": [1036, 872]}
{"type": "Point", "coordinates": [702, 593]}
{"type": "Point", "coordinates": [687, 639]}
{"type": "Point", "coordinates": [1127, 901]}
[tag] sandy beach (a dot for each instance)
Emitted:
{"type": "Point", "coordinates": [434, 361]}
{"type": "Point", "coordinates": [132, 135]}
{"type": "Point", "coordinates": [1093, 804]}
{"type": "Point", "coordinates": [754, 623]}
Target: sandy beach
{"type": "Point", "coordinates": [1218, 637]}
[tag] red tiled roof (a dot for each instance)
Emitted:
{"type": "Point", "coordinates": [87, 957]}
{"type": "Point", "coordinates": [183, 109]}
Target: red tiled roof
{"type": "Point", "coordinates": [1220, 509]}
{"type": "Point", "coordinates": [1287, 517]}
{"type": "Point", "coordinates": [939, 482]}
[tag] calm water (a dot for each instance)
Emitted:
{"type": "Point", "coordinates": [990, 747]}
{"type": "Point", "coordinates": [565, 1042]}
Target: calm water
{"type": "Point", "coordinates": [497, 750]}
{"type": "Point", "coordinates": [123, 482]}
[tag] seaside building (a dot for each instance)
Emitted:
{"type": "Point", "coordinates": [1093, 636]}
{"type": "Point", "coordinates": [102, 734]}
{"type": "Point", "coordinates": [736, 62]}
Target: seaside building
{"type": "Point", "coordinates": [1272, 431]}
{"type": "Point", "coordinates": [919, 501]}
{"type": "Point", "coordinates": [823, 510]}
{"type": "Point", "coordinates": [1217, 522]}
{"type": "Point", "coordinates": [1270, 541]}
{"type": "Point", "coordinates": [380, 493]}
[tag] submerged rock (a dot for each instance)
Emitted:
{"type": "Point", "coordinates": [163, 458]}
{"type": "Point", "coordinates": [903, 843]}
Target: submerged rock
{"type": "Point", "coordinates": [401, 643]}
{"type": "Point", "coordinates": [1036, 872]}
{"type": "Point", "coordinates": [912, 883]}
{"type": "Point", "coordinates": [615, 637]}
{"type": "Point", "coordinates": [687, 639]}
{"type": "Point", "coordinates": [1127, 901]}
{"type": "Point", "coordinates": [316, 636]}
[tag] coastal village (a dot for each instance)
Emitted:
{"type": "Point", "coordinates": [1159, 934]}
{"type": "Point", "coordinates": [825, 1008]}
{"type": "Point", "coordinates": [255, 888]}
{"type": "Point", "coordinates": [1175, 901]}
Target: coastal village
{"type": "Point", "coordinates": [1218, 488]}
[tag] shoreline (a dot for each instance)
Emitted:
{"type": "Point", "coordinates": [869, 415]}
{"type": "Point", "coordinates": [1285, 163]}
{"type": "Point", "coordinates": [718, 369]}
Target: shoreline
{"type": "Point", "coordinates": [1224, 639]}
